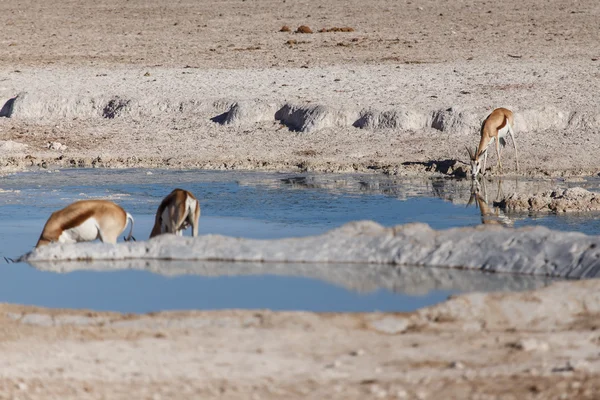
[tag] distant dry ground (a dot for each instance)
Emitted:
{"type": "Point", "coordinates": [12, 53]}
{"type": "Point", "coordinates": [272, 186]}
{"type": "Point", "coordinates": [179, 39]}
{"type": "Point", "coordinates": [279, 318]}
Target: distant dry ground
{"type": "Point", "coordinates": [183, 63]}
{"type": "Point", "coordinates": [246, 34]}
{"type": "Point", "coordinates": [541, 345]}
{"type": "Point", "coordinates": [413, 120]}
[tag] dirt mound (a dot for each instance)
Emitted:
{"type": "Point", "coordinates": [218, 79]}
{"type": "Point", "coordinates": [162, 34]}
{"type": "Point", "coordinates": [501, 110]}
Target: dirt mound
{"type": "Point", "coordinates": [304, 29]}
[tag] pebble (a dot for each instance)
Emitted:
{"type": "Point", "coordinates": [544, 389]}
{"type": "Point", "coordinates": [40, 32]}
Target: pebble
{"type": "Point", "coordinates": [531, 344]}
{"type": "Point", "coordinates": [56, 146]}
{"type": "Point", "coordinates": [457, 365]}
{"type": "Point", "coordinates": [357, 353]}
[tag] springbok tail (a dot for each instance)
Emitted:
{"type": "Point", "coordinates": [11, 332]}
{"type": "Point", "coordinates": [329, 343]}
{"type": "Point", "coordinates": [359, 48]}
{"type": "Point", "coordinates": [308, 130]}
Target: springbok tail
{"type": "Point", "coordinates": [130, 236]}
{"type": "Point", "coordinates": [192, 208]}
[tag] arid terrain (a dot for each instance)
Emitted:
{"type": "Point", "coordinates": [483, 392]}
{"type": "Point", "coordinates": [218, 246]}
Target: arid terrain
{"type": "Point", "coordinates": [541, 345]}
{"type": "Point", "coordinates": [219, 85]}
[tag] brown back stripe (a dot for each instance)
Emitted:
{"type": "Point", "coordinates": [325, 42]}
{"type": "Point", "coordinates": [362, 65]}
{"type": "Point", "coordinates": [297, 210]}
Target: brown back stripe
{"type": "Point", "coordinates": [78, 220]}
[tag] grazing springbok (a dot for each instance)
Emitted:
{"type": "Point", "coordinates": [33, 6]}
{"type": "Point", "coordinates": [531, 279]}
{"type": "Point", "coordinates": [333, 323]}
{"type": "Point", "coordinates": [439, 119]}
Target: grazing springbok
{"type": "Point", "coordinates": [179, 210]}
{"type": "Point", "coordinates": [84, 221]}
{"type": "Point", "coordinates": [494, 128]}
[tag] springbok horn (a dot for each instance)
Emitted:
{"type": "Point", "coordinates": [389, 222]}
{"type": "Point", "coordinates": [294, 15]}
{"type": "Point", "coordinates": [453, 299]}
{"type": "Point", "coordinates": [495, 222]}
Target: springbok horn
{"type": "Point", "coordinates": [470, 153]}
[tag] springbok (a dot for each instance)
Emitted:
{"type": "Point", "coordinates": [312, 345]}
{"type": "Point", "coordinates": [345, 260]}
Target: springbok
{"type": "Point", "coordinates": [488, 216]}
{"type": "Point", "coordinates": [84, 221]}
{"type": "Point", "coordinates": [494, 128]}
{"type": "Point", "coordinates": [179, 210]}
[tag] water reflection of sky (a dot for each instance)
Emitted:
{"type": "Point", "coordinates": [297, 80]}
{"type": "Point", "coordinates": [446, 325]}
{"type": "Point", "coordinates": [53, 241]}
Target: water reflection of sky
{"type": "Point", "coordinates": [248, 205]}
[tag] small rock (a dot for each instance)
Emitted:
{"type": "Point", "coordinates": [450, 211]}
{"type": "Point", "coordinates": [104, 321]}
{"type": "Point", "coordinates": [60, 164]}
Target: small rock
{"type": "Point", "coordinates": [401, 394]}
{"type": "Point", "coordinates": [149, 173]}
{"type": "Point", "coordinates": [456, 365]}
{"type": "Point", "coordinates": [357, 353]}
{"type": "Point", "coordinates": [56, 146]}
{"type": "Point", "coordinates": [21, 386]}
{"type": "Point", "coordinates": [391, 325]}
{"type": "Point", "coordinates": [531, 344]}
{"type": "Point", "coordinates": [285, 28]}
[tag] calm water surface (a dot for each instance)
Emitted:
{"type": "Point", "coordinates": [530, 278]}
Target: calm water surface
{"type": "Point", "coordinates": [251, 205]}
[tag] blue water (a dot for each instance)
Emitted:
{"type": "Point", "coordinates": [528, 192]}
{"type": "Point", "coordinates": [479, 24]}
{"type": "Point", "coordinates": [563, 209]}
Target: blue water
{"type": "Point", "coordinates": [138, 291]}
{"type": "Point", "coordinates": [251, 205]}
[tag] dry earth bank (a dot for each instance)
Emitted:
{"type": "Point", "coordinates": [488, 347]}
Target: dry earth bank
{"type": "Point", "coordinates": [399, 120]}
{"type": "Point", "coordinates": [414, 77]}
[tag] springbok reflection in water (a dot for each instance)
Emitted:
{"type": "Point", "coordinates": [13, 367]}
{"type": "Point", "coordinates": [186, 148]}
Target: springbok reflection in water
{"type": "Point", "coordinates": [489, 215]}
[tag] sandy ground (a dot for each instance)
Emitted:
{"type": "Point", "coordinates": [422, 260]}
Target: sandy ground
{"type": "Point", "coordinates": [178, 65]}
{"type": "Point", "coordinates": [172, 66]}
{"type": "Point", "coordinates": [541, 345]}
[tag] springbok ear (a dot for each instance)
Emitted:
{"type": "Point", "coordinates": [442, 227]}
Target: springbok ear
{"type": "Point", "coordinates": [470, 153]}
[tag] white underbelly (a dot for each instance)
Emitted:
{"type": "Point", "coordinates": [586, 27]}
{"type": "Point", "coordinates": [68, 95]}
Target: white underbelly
{"type": "Point", "coordinates": [502, 132]}
{"type": "Point", "coordinates": [85, 232]}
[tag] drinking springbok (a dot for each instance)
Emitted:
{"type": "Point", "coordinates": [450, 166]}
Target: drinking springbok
{"type": "Point", "coordinates": [84, 221]}
{"type": "Point", "coordinates": [494, 128]}
{"type": "Point", "coordinates": [179, 210]}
